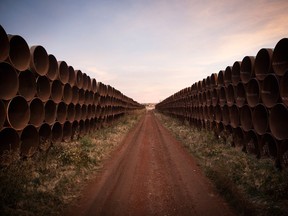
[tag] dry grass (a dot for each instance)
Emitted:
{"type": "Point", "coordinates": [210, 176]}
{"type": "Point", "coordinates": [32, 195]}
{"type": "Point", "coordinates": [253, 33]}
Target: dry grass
{"type": "Point", "coordinates": [250, 185]}
{"type": "Point", "coordinates": [49, 181]}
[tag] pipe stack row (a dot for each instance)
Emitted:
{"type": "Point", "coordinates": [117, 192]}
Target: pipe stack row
{"type": "Point", "coordinates": [44, 101]}
{"type": "Point", "coordinates": [247, 100]}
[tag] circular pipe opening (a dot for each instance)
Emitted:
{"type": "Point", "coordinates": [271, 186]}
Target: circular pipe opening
{"type": "Point", "coordinates": [75, 95]}
{"type": "Point", "coordinates": [72, 78]}
{"type": "Point", "coordinates": [278, 122]}
{"type": "Point", "coordinates": [86, 96]}
{"type": "Point", "coordinates": [230, 95]}
{"type": "Point", "coordinates": [234, 116]}
{"type": "Point", "coordinates": [87, 126]}
{"type": "Point", "coordinates": [280, 57]}
{"type": "Point", "coordinates": [89, 111]}
{"type": "Point", "coordinates": [52, 72]}
{"type": "Point", "coordinates": [94, 85]}
{"type": "Point", "coordinates": [75, 130]}
{"type": "Point", "coordinates": [247, 69]}
{"type": "Point", "coordinates": [45, 134]}
{"type": "Point", "coordinates": [253, 93]}
{"type": "Point", "coordinates": [27, 85]}
{"type": "Point", "coordinates": [63, 72]}
{"type": "Point", "coordinates": [246, 118]}
{"type": "Point", "coordinates": [67, 93]}
{"type": "Point", "coordinates": [18, 113]}
{"type": "Point", "coordinates": [218, 114]}
{"type": "Point", "coordinates": [83, 111]}
{"type": "Point", "coordinates": [240, 95]}
{"type": "Point", "coordinates": [67, 131]}
{"type": "Point", "coordinates": [37, 112]}
{"type": "Point", "coordinates": [56, 91]}
{"type": "Point", "coordinates": [85, 81]}
{"type": "Point", "coordinates": [228, 75]}
{"type": "Point", "coordinates": [235, 73]}
{"type": "Point", "coordinates": [9, 83]}
{"type": "Point", "coordinates": [4, 45]}
{"type": "Point", "coordinates": [225, 115]}
{"type": "Point", "coordinates": [43, 88]}
{"type": "Point", "coordinates": [222, 96]}
{"type": "Point", "coordinates": [260, 119]}
{"type": "Point", "coordinates": [284, 88]}
{"type": "Point", "coordinates": [88, 83]}
{"type": "Point", "coordinates": [39, 61]}
{"type": "Point", "coordinates": [61, 113]}
{"type": "Point", "coordinates": [220, 76]}
{"type": "Point", "coordinates": [50, 112]}
{"type": "Point", "coordinates": [78, 113]}
{"type": "Point", "coordinates": [213, 80]}
{"type": "Point", "coordinates": [79, 79]}
{"type": "Point", "coordinates": [19, 53]}
{"type": "Point", "coordinates": [29, 141]}
{"type": "Point", "coordinates": [57, 132]}
{"type": "Point", "coordinates": [71, 112]}
{"type": "Point", "coordinates": [9, 142]}
{"type": "Point", "coordinates": [263, 65]}
{"type": "Point", "coordinates": [270, 91]}
{"type": "Point", "coordinates": [215, 96]}
{"type": "Point", "coordinates": [81, 96]}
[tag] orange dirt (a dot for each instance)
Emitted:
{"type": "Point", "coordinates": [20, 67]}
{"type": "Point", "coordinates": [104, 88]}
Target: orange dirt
{"type": "Point", "coordinates": [150, 174]}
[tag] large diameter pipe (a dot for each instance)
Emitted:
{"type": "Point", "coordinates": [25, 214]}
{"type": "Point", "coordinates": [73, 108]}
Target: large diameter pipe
{"type": "Point", "coordinates": [222, 96]}
{"type": "Point", "coordinates": [79, 79]}
{"type": "Point", "coordinates": [284, 88]}
{"type": "Point", "coordinates": [67, 131]}
{"type": "Point", "coordinates": [220, 80]}
{"type": "Point", "coordinates": [50, 112]}
{"type": "Point", "coordinates": [75, 130]}
{"type": "Point", "coordinates": [2, 114]}
{"type": "Point", "coordinates": [228, 76]}
{"type": "Point", "coordinates": [213, 80]}
{"type": "Point", "coordinates": [37, 112]}
{"type": "Point", "coordinates": [83, 111]}
{"type": "Point", "coordinates": [39, 61]}
{"type": "Point", "coordinates": [270, 91]}
{"type": "Point", "coordinates": [81, 99]}
{"type": "Point", "coordinates": [4, 45]}
{"type": "Point", "coordinates": [94, 85]}
{"type": "Point", "coordinates": [52, 72]}
{"type": "Point", "coordinates": [82, 127]}
{"type": "Point", "coordinates": [218, 114]}
{"type": "Point", "coordinates": [280, 57]}
{"type": "Point", "coordinates": [225, 115]}
{"type": "Point", "coordinates": [63, 72]}
{"type": "Point", "coordinates": [56, 91]}
{"type": "Point", "coordinates": [253, 92]}
{"type": "Point", "coordinates": [235, 73]}
{"type": "Point", "coordinates": [263, 63]}
{"type": "Point", "coordinates": [88, 83]}
{"type": "Point", "coordinates": [19, 54]}
{"type": "Point", "coordinates": [71, 112]}
{"type": "Point", "coordinates": [85, 81]}
{"type": "Point", "coordinates": [57, 132]}
{"type": "Point", "coordinates": [234, 116]}
{"type": "Point", "coordinates": [260, 119]}
{"type": "Point", "coordinates": [240, 95]}
{"type": "Point", "coordinates": [278, 122]}
{"type": "Point", "coordinates": [247, 69]}
{"type": "Point", "coordinates": [67, 93]}
{"type": "Point", "coordinates": [72, 76]}
{"type": "Point", "coordinates": [27, 85]}
{"type": "Point", "coordinates": [215, 97]}
{"type": "Point", "coordinates": [45, 135]}
{"type": "Point", "coordinates": [61, 113]}
{"type": "Point", "coordinates": [9, 142]}
{"type": "Point", "coordinates": [78, 112]}
{"type": "Point", "coordinates": [230, 95]}
{"type": "Point", "coordinates": [75, 95]}
{"type": "Point", "coordinates": [18, 113]}
{"type": "Point", "coordinates": [43, 88]}
{"type": "Point", "coordinates": [29, 141]}
{"type": "Point", "coordinates": [9, 82]}
{"type": "Point", "coordinates": [246, 118]}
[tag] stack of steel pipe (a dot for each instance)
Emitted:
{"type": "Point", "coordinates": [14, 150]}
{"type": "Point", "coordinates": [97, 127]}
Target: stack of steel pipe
{"type": "Point", "coordinates": [248, 100]}
{"type": "Point", "coordinates": [42, 100]}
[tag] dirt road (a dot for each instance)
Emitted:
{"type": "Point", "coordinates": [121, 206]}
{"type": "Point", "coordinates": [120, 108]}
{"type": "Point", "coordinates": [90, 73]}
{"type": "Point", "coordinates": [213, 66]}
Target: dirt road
{"type": "Point", "coordinates": [151, 174]}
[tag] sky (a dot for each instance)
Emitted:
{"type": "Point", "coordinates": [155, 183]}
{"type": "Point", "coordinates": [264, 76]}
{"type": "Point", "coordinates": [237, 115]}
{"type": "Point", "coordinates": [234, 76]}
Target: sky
{"type": "Point", "coordinates": [148, 49]}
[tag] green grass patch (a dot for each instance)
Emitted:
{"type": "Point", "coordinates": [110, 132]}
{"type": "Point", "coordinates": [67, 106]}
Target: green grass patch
{"type": "Point", "coordinates": [252, 186]}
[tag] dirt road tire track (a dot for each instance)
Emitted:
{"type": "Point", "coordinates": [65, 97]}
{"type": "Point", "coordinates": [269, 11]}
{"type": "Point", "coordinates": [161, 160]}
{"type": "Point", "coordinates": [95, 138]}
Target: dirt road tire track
{"type": "Point", "coordinates": [150, 174]}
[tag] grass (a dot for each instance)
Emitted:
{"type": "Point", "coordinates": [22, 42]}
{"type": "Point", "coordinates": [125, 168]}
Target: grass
{"type": "Point", "coordinates": [252, 186]}
{"type": "Point", "coordinates": [49, 181]}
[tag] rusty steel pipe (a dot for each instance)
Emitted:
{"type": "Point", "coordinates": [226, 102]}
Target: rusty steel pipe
{"type": "Point", "coordinates": [81, 99]}
{"type": "Point", "coordinates": [56, 91]}
{"type": "Point", "coordinates": [82, 127]}
{"type": "Point", "coordinates": [218, 113]}
{"type": "Point", "coordinates": [87, 126]}
{"type": "Point", "coordinates": [228, 76]}
{"type": "Point", "coordinates": [56, 132]}
{"type": "Point", "coordinates": [270, 91]}
{"type": "Point", "coordinates": [278, 121]}
{"type": "Point", "coordinates": [19, 53]}
{"type": "Point", "coordinates": [220, 78]}
{"type": "Point", "coordinates": [263, 63]}
{"type": "Point", "coordinates": [92, 125]}
{"type": "Point", "coordinates": [9, 142]}
{"type": "Point", "coordinates": [284, 88]}
{"type": "Point", "coordinates": [2, 113]}
{"type": "Point", "coordinates": [61, 113]}
{"type": "Point", "coordinates": [37, 112]}
{"type": "Point", "coordinates": [4, 45]}
{"type": "Point", "coordinates": [75, 130]}
{"type": "Point", "coordinates": [240, 95]}
{"type": "Point", "coordinates": [63, 72]}
{"type": "Point", "coordinates": [94, 85]}
{"type": "Point", "coordinates": [208, 97]}
{"type": "Point", "coordinates": [67, 93]}
{"type": "Point", "coordinates": [89, 111]}
{"type": "Point", "coordinates": [85, 81]}
{"type": "Point", "coordinates": [75, 95]}
{"type": "Point", "coordinates": [213, 80]}
{"type": "Point", "coordinates": [45, 134]}
{"type": "Point", "coordinates": [235, 73]}
{"type": "Point", "coordinates": [208, 84]}
{"type": "Point", "coordinates": [260, 118]}
{"type": "Point", "coordinates": [280, 57]}
{"type": "Point", "coordinates": [18, 113]}
{"type": "Point", "coordinates": [67, 131]}
{"type": "Point", "coordinates": [203, 87]}
{"type": "Point", "coordinates": [9, 82]}
{"type": "Point", "coordinates": [253, 92]}
{"type": "Point", "coordinates": [225, 115]}
{"type": "Point", "coordinates": [78, 79]}
{"type": "Point", "coordinates": [247, 69]}
{"type": "Point", "coordinates": [78, 113]}
{"type": "Point", "coordinates": [222, 96]}
{"type": "Point", "coordinates": [50, 112]}
{"type": "Point", "coordinates": [52, 72]}
{"type": "Point", "coordinates": [72, 76]}
{"type": "Point", "coordinates": [230, 95]}
{"type": "Point", "coordinates": [215, 97]}
{"type": "Point", "coordinates": [71, 112]}
{"type": "Point", "coordinates": [88, 83]}
{"type": "Point", "coordinates": [86, 97]}
{"type": "Point", "coordinates": [39, 61]}
{"type": "Point", "coordinates": [234, 116]}
{"type": "Point", "coordinates": [27, 85]}
{"type": "Point", "coordinates": [43, 88]}
{"type": "Point", "coordinates": [29, 141]}
{"type": "Point", "coordinates": [83, 111]}
{"type": "Point", "coordinates": [246, 118]}
{"type": "Point", "coordinates": [268, 146]}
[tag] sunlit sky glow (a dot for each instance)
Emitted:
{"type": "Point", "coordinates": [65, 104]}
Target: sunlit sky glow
{"type": "Point", "coordinates": [148, 49]}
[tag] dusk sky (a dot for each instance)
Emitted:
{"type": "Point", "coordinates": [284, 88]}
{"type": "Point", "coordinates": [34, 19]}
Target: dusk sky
{"type": "Point", "coordinates": [148, 49]}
